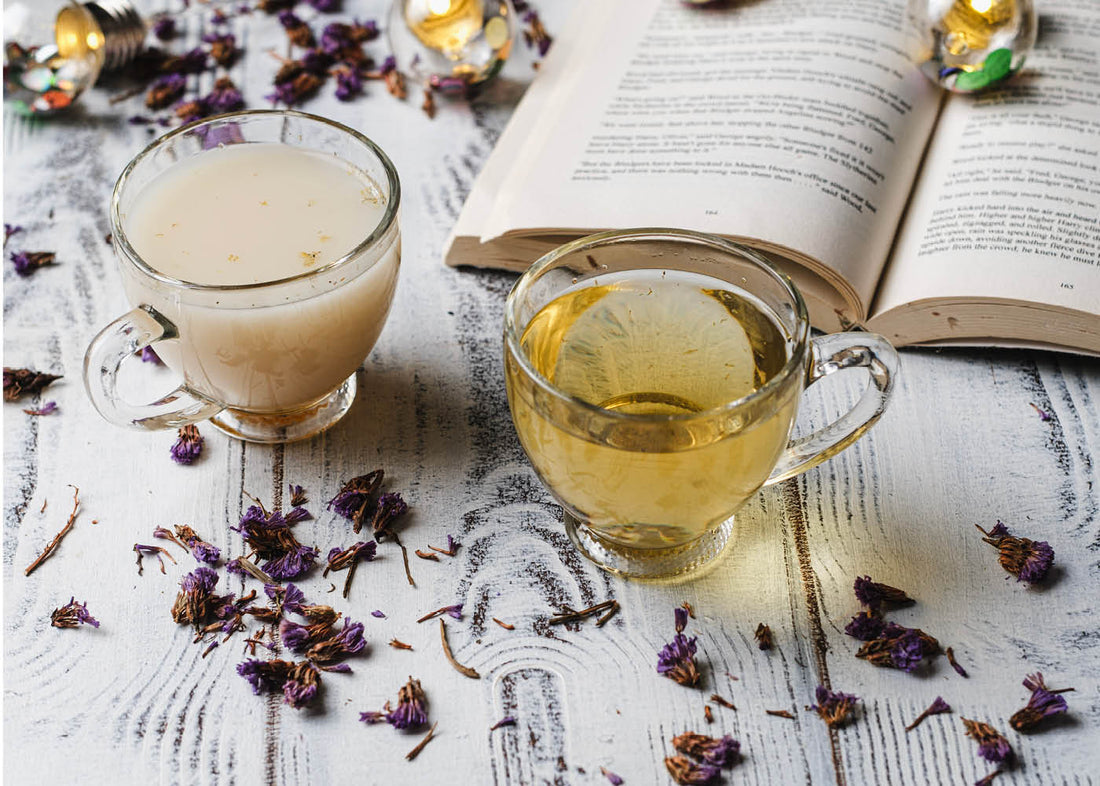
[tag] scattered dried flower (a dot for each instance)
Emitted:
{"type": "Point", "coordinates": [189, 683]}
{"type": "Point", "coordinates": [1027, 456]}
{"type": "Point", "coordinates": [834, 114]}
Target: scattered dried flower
{"type": "Point", "coordinates": [53, 544]}
{"type": "Point", "coordinates": [684, 771]}
{"type": "Point", "coordinates": [722, 702]}
{"type": "Point", "coordinates": [834, 708]}
{"type": "Point", "coordinates": [763, 636]}
{"type": "Point", "coordinates": [992, 746]}
{"type": "Point", "coordinates": [20, 381]}
{"type": "Point", "coordinates": [950, 653]}
{"type": "Point", "coordinates": [348, 559]}
{"type": "Point", "coordinates": [428, 105]}
{"type": "Point", "coordinates": [224, 97]}
{"type": "Point", "coordinates": [1043, 704]}
{"type": "Point", "coordinates": [190, 62]}
{"type": "Point", "coordinates": [26, 262]}
{"type": "Point", "coordinates": [355, 500]}
{"type": "Point", "coordinates": [71, 615]}
{"type": "Point", "coordinates": [452, 547]}
{"type": "Point", "coordinates": [676, 660]}
{"type": "Point", "coordinates": [297, 496]}
{"type": "Point", "coordinates": [454, 612]}
{"type": "Point", "coordinates": [780, 714]}
{"type": "Point", "coordinates": [274, 6]}
{"type": "Point", "coordinates": [422, 744]}
{"type": "Point", "coordinates": [866, 625]}
{"type": "Point", "coordinates": [164, 28]}
{"type": "Point", "coordinates": [411, 712]}
{"type": "Point", "coordinates": [988, 779]}
{"type": "Point", "coordinates": [188, 445]}
{"type": "Point", "coordinates": [614, 779]}
{"type": "Point", "coordinates": [46, 409]}
{"type": "Point", "coordinates": [1028, 560]}
{"type": "Point", "coordinates": [535, 34]}
{"type": "Point", "coordinates": [296, 90]}
{"type": "Point", "coordinates": [400, 645]}
{"type": "Point", "coordinates": [160, 553]}
{"type": "Point", "coordinates": [329, 653]}
{"type": "Point", "coordinates": [1043, 414]}
{"type": "Point", "coordinates": [349, 83]}
{"type": "Point", "coordinates": [297, 31]}
{"type": "Point", "coordinates": [149, 355]}
{"type": "Point", "coordinates": [9, 230]}
{"type": "Point", "coordinates": [937, 706]}
{"type": "Point", "coordinates": [463, 670]}
{"type": "Point", "coordinates": [325, 6]}
{"type": "Point", "coordinates": [504, 625]}
{"type": "Point", "coordinates": [196, 604]}
{"type": "Point", "coordinates": [899, 647]}
{"type": "Point", "coordinates": [569, 615]}
{"type": "Point", "coordinates": [875, 595]}
{"type": "Point", "coordinates": [165, 90]}
{"type": "Point", "coordinates": [507, 720]}
{"type": "Point", "coordinates": [272, 539]}
{"type": "Point", "coordinates": [427, 555]}
{"type": "Point", "coordinates": [718, 751]}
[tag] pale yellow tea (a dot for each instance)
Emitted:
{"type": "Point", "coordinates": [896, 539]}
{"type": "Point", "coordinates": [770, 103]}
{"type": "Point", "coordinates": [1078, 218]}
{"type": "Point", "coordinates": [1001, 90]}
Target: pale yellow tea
{"type": "Point", "coordinates": [673, 349]}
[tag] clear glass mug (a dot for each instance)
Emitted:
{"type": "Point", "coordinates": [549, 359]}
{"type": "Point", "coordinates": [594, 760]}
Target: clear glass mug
{"type": "Point", "coordinates": [650, 481]}
{"type": "Point", "coordinates": [268, 362]}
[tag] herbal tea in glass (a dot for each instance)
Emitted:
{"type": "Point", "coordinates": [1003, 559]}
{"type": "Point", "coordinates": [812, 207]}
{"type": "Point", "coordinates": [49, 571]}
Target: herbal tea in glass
{"type": "Point", "coordinates": [654, 377]}
{"type": "Point", "coordinates": [656, 343]}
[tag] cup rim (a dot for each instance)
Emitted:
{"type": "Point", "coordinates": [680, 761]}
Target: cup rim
{"type": "Point", "coordinates": [389, 216]}
{"type": "Point", "coordinates": [793, 364]}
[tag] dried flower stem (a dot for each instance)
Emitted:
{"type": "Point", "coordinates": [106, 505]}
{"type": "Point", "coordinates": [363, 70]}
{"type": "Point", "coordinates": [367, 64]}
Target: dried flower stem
{"type": "Point", "coordinates": [252, 570]}
{"type": "Point", "coordinates": [400, 645]}
{"type": "Point", "coordinates": [950, 653]}
{"type": "Point", "coordinates": [722, 702]}
{"type": "Point", "coordinates": [611, 612]}
{"type": "Point", "coordinates": [780, 714]}
{"type": "Point", "coordinates": [448, 552]}
{"type": "Point", "coordinates": [576, 616]}
{"type": "Point", "coordinates": [427, 555]}
{"type": "Point", "coordinates": [420, 745]}
{"type": "Point", "coordinates": [405, 557]}
{"type": "Point", "coordinates": [437, 612]}
{"type": "Point", "coordinates": [504, 625]}
{"type": "Point", "coordinates": [57, 539]}
{"type": "Point", "coordinates": [347, 581]}
{"type": "Point", "coordinates": [465, 670]}
{"type": "Point", "coordinates": [708, 714]}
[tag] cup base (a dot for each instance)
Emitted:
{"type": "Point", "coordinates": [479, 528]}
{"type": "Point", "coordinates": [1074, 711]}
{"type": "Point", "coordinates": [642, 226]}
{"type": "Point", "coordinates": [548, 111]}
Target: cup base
{"type": "Point", "coordinates": [658, 563]}
{"type": "Point", "coordinates": [276, 428]}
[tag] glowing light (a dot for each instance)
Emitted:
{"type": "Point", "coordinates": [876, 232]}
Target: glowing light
{"type": "Point", "coordinates": [441, 7]}
{"type": "Point", "coordinates": [981, 6]}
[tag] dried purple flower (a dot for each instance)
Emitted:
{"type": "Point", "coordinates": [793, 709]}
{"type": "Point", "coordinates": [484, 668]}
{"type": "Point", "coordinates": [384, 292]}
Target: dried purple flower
{"type": "Point", "coordinates": [348, 83]}
{"type": "Point", "coordinates": [1043, 414]}
{"type": "Point", "coordinates": [680, 618]}
{"type": "Point", "coordinates": [535, 34]}
{"type": "Point", "coordinates": [865, 626]}
{"type": "Point", "coordinates": [992, 746]}
{"type": "Point", "coordinates": [1028, 560]}
{"type": "Point", "coordinates": [684, 771]}
{"type": "Point", "coordinates": [297, 495]}
{"type": "Point", "coordinates": [507, 720]}
{"type": "Point", "coordinates": [834, 708]}
{"type": "Point", "coordinates": [188, 446]}
{"type": "Point", "coordinates": [340, 559]}
{"type": "Point", "coordinates": [316, 61]}
{"type": "Point", "coordinates": [297, 31]}
{"type": "Point", "coordinates": [26, 262]}
{"type": "Point", "coordinates": [677, 660]}
{"type": "Point", "coordinates": [165, 90]}
{"type": "Point", "coordinates": [142, 550]}
{"type": "Point", "coordinates": [265, 676]}
{"type": "Point", "coordinates": [950, 653]}
{"type": "Point", "coordinates": [899, 647]}
{"type": "Point", "coordinates": [199, 548]}
{"type": "Point", "coordinates": [190, 62]}
{"type": "Point", "coordinates": [19, 381]}
{"type": "Point", "coordinates": [288, 598]}
{"type": "Point", "coordinates": [301, 685]}
{"type": "Point", "coordinates": [9, 230]}
{"type": "Point", "coordinates": [614, 779]}
{"type": "Point", "coordinates": [46, 409]}
{"type": "Point", "coordinates": [223, 48]}
{"type": "Point", "coordinates": [875, 595]}
{"type": "Point", "coordinates": [1043, 704]}
{"type": "Point", "coordinates": [196, 602]}
{"type": "Point", "coordinates": [720, 752]}
{"type": "Point", "coordinates": [299, 638]}
{"type": "Point", "coordinates": [224, 97]}
{"type": "Point", "coordinates": [71, 615]}
{"type": "Point", "coordinates": [330, 651]}
{"type": "Point", "coordinates": [355, 500]}
{"type": "Point", "coordinates": [410, 712]}
{"type": "Point", "coordinates": [164, 28]}
{"type": "Point", "coordinates": [149, 355]}
{"type": "Point", "coordinates": [325, 6]}
{"type": "Point", "coordinates": [378, 614]}
{"type": "Point", "coordinates": [935, 708]}
{"type": "Point", "coordinates": [390, 507]}
{"type": "Point", "coordinates": [292, 564]}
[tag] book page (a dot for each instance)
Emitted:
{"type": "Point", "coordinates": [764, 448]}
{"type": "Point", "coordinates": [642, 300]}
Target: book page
{"type": "Point", "coordinates": [1008, 205]}
{"type": "Point", "coordinates": [797, 123]}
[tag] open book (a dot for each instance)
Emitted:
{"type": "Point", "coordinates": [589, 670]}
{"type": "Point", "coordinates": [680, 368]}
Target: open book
{"type": "Point", "coordinates": [805, 131]}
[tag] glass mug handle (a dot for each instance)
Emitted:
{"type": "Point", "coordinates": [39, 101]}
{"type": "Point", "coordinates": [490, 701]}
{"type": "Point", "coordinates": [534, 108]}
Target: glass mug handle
{"type": "Point", "coordinates": [128, 334]}
{"type": "Point", "coordinates": [829, 354]}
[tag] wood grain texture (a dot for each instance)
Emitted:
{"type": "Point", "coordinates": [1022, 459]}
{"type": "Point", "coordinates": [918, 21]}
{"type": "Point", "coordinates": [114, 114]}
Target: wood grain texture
{"type": "Point", "coordinates": [135, 701]}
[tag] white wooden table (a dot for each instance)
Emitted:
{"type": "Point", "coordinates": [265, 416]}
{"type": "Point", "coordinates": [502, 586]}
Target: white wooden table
{"type": "Point", "coordinates": [134, 702]}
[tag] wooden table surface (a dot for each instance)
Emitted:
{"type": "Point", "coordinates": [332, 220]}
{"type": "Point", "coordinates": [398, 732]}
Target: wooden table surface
{"type": "Point", "coordinates": [135, 702]}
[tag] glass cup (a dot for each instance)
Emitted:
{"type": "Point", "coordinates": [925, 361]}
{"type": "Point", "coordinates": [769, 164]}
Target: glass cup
{"type": "Point", "coordinates": [654, 377]}
{"type": "Point", "coordinates": [268, 362]}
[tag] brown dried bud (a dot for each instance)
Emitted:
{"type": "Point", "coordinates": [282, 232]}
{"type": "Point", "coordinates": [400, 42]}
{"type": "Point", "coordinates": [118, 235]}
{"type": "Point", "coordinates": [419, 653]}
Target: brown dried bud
{"type": "Point", "coordinates": [18, 381]}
